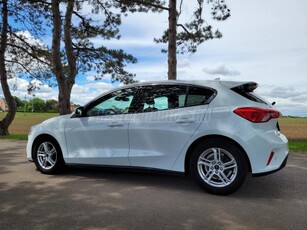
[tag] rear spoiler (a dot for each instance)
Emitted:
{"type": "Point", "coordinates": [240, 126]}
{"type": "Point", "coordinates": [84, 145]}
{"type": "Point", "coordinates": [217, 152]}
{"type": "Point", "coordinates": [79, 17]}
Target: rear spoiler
{"type": "Point", "coordinates": [241, 86]}
{"type": "Point", "coordinates": [246, 87]}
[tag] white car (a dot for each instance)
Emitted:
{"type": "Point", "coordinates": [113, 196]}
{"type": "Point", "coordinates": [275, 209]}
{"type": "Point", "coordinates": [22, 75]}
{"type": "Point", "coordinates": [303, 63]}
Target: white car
{"type": "Point", "coordinates": [217, 131]}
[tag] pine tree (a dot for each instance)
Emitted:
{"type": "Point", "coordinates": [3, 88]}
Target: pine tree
{"type": "Point", "coordinates": [17, 53]}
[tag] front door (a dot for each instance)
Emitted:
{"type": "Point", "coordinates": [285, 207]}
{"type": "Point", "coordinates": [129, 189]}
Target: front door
{"type": "Point", "coordinates": [101, 135]}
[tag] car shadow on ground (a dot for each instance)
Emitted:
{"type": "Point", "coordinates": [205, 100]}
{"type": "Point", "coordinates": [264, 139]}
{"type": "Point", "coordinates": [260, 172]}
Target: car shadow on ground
{"type": "Point", "coordinates": [269, 187]}
{"type": "Point", "coordinates": [137, 177]}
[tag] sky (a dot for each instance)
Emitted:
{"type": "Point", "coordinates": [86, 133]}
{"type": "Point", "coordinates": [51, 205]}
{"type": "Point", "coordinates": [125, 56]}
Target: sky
{"type": "Point", "coordinates": [263, 41]}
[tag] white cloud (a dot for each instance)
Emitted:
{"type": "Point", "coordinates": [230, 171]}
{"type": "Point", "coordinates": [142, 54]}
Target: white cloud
{"type": "Point", "coordinates": [292, 109]}
{"type": "Point", "coordinates": [183, 63]}
{"type": "Point", "coordinates": [283, 92]}
{"type": "Point", "coordinates": [90, 78]}
{"type": "Point", "coordinates": [221, 69]}
{"type": "Point", "coordinates": [300, 99]}
{"type": "Point", "coordinates": [82, 94]}
{"type": "Point", "coordinates": [19, 88]}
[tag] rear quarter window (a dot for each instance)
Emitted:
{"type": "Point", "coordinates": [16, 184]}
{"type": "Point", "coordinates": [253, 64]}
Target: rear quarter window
{"type": "Point", "coordinates": [199, 96]}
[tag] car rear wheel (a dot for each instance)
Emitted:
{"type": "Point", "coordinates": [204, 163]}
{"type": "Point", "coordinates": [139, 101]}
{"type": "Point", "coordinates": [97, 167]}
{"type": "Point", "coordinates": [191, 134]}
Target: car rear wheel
{"type": "Point", "coordinates": [218, 166]}
{"type": "Point", "coordinates": [48, 157]}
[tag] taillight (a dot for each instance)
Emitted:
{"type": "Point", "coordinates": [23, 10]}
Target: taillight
{"type": "Point", "coordinates": [257, 115]}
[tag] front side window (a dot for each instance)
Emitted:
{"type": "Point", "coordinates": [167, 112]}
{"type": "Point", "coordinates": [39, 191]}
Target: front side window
{"type": "Point", "coordinates": [118, 102]}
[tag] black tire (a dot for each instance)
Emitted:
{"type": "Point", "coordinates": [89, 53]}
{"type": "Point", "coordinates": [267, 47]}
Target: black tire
{"type": "Point", "coordinates": [47, 156]}
{"type": "Point", "coordinates": [218, 166]}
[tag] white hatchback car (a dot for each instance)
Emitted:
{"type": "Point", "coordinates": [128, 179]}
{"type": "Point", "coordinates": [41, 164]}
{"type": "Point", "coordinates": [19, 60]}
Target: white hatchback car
{"type": "Point", "coordinates": [217, 131]}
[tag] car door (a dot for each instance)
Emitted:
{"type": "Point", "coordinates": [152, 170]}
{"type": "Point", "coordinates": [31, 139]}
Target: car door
{"type": "Point", "coordinates": [167, 118]}
{"type": "Point", "coordinates": [100, 136]}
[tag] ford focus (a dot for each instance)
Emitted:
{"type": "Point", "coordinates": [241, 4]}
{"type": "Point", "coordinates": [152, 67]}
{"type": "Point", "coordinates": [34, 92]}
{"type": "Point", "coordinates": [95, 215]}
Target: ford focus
{"type": "Point", "coordinates": [216, 131]}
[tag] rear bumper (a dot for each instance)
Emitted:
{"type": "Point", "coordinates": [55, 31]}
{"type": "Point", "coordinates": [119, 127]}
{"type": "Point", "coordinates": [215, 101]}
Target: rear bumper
{"type": "Point", "coordinates": [273, 171]}
{"type": "Point", "coordinates": [261, 146]}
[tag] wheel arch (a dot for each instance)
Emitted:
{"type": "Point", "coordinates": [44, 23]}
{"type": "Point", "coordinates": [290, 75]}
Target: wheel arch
{"type": "Point", "coordinates": [43, 137]}
{"type": "Point", "coordinates": [207, 139]}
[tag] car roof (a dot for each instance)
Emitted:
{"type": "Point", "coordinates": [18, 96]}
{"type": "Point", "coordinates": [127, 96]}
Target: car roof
{"type": "Point", "coordinates": [208, 83]}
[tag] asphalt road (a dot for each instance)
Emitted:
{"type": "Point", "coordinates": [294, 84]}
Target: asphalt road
{"type": "Point", "coordinates": [121, 199]}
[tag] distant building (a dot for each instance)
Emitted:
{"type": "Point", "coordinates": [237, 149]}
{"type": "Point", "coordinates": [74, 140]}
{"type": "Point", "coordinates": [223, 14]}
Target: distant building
{"type": "Point", "coordinates": [3, 105]}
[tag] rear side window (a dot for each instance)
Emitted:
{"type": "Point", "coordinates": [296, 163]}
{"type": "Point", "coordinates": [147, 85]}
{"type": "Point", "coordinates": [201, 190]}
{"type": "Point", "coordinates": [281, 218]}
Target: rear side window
{"type": "Point", "coordinates": [166, 97]}
{"type": "Point", "coordinates": [199, 96]}
{"type": "Point", "coordinates": [157, 97]}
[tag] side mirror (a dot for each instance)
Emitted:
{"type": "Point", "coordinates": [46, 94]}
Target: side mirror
{"type": "Point", "coordinates": [79, 111]}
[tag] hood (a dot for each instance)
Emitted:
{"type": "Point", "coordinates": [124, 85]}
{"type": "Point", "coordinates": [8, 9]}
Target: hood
{"type": "Point", "coordinates": [58, 118]}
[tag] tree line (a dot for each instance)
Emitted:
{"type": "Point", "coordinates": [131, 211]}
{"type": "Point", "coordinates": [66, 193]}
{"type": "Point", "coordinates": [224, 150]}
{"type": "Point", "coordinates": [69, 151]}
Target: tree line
{"type": "Point", "coordinates": [36, 105]}
{"type": "Point", "coordinates": [72, 52]}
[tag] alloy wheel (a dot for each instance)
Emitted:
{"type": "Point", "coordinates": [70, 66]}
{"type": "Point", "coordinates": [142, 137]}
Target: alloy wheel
{"type": "Point", "coordinates": [46, 155]}
{"type": "Point", "coordinates": [217, 167]}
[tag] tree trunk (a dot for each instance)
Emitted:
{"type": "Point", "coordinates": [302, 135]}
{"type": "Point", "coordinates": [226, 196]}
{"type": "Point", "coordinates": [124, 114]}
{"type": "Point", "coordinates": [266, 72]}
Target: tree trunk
{"type": "Point", "coordinates": [65, 79]}
{"type": "Point", "coordinates": [172, 32]}
{"type": "Point", "coordinates": [64, 84]}
{"type": "Point", "coordinates": [64, 96]}
{"type": "Point", "coordinates": [7, 120]}
{"type": "Point", "coordinates": [71, 59]}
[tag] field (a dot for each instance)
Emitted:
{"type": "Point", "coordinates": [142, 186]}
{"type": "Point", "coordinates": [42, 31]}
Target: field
{"type": "Point", "coordinates": [294, 128]}
{"type": "Point", "coordinates": [23, 121]}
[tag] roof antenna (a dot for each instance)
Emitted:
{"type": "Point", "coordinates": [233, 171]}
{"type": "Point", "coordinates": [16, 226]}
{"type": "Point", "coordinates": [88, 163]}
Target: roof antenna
{"type": "Point", "coordinates": [273, 103]}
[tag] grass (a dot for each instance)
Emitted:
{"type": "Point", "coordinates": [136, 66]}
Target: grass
{"type": "Point", "coordinates": [294, 128]}
{"type": "Point", "coordinates": [19, 137]}
{"type": "Point", "coordinates": [24, 121]}
{"type": "Point", "coordinates": [298, 146]}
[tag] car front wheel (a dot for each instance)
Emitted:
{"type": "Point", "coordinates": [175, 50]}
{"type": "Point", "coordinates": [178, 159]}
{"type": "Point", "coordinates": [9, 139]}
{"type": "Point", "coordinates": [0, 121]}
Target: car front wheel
{"type": "Point", "coordinates": [218, 166]}
{"type": "Point", "coordinates": [47, 156]}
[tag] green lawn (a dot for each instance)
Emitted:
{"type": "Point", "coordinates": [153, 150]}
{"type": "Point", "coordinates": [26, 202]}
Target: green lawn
{"type": "Point", "coordinates": [298, 146]}
{"type": "Point", "coordinates": [20, 137]}
{"type": "Point", "coordinates": [23, 121]}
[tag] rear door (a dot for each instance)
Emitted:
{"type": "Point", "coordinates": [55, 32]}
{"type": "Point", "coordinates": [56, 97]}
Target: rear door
{"type": "Point", "coordinates": [168, 116]}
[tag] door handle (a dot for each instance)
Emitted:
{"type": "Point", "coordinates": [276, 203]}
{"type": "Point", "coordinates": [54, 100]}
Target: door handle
{"type": "Point", "coordinates": [115, 124]}
{"type": "Point", "coordinates": [184, 121]}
